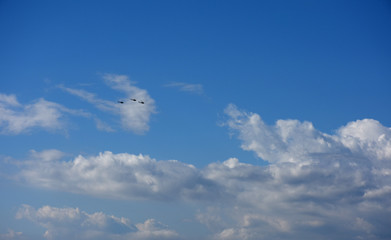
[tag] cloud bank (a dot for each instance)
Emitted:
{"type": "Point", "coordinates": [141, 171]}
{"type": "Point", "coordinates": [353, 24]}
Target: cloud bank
{"type": "Point", "coordinates": [316, 185]}
{"type": "Point", "coordinates": [72, 223]}
{"type": "Point", "coordinates": [123, 176]}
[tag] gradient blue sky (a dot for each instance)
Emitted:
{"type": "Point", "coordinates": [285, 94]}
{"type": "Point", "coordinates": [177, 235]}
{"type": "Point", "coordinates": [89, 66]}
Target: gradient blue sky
{"type": "Point", "coordinates": [251, 99]}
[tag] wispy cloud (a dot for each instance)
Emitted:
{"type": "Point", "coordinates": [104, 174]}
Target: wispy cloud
{"type": "Point", "coordinates": [101, 104]}
{"type": "Point", "coordinates": [134, 117]}
{"type": "Point", "coordinates": [12, 235]}
{"type": "Point", "coordinates": [16, 118]}
{"type": "Point", "coordinates": [73, 223]}
{"type": "Point", "coordinates": [187, 87]}
{"type": "Point", "coordinates": [316, 185]}
{"type": "Point", "coordinates": [102, 126]}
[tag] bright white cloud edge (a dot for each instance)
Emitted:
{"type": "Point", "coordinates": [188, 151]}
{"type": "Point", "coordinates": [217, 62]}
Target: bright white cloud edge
{"type": "Point", "coordinates": [316, 186]}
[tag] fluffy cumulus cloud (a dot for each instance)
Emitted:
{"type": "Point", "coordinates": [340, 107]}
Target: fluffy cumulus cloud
{"type": "Point", "coordinates": [16, 118]}
{"type": "Point", "coordinates": [316, 185]}
{"type": "Point", "coordinates": [297, 142]}
{"type": "Point", "coordinates": [125, 176]}
{"type": "Point", "coordinates": [72, 223]}
{"type": "Point", "coordinates": [133, 115]}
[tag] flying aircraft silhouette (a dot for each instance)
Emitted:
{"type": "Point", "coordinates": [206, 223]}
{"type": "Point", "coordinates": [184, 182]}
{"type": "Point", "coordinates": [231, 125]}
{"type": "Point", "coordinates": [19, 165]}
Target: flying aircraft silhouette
{"type": "Point", "coordinates": [132, 99]}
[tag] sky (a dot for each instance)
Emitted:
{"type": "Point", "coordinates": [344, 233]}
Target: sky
{"type": "Point", "coordinates": [252, 120]}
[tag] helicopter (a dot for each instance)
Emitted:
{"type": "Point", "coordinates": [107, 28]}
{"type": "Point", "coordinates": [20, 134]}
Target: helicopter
{"type": "Point", "coordinates": [131, 99]}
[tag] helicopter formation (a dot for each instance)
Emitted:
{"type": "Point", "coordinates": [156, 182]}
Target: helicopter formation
{"type": "Point", "coordinates": [132, 99]}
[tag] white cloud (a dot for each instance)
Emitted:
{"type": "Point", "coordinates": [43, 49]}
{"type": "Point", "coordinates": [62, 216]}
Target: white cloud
{"type": "Point", "coordinates": [103, 105]}
{"type": "Point", "coordinates": [152, 229]}
{"type": "Point", "coordinates": [367, 137]}
{"type": "Point", "coordinates": [124, 175]}
{"type": "Point", "coordinates": [133, 116]}
{"type": "Point", "coordinates": [72, 223]}
{"type": "Point", "coordinates": [16, 118]}
{"type": "Point", "coordinates": [316, 186]}
{"type": "Point", "coordinates": [10, 100]}
{"type": "Point", "coordinates": [102, 126]}
{"type": "Point", "coordinates": [286, 141]}
{"type": "Point", "coordinates": [316, 181]}
{"type": "Point", "coordinates": [12, 235]}
{"type": "Point", "coordinates": [47, 155]}
{"type": "Point", "coordinates": [187, 87]}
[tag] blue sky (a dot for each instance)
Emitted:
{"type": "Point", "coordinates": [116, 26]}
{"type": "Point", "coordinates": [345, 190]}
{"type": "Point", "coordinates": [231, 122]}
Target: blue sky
{"type": "Point", "coordinates": [262, 119]}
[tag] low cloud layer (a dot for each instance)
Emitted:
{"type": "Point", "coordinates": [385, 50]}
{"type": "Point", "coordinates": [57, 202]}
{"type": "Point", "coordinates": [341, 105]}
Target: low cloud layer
{"type": "Point", "coordinates": [316, 186]}
{"type": "Point", "coordinates": [72, 223]}
{"type": "Point", "coordinates": [123, 176]}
